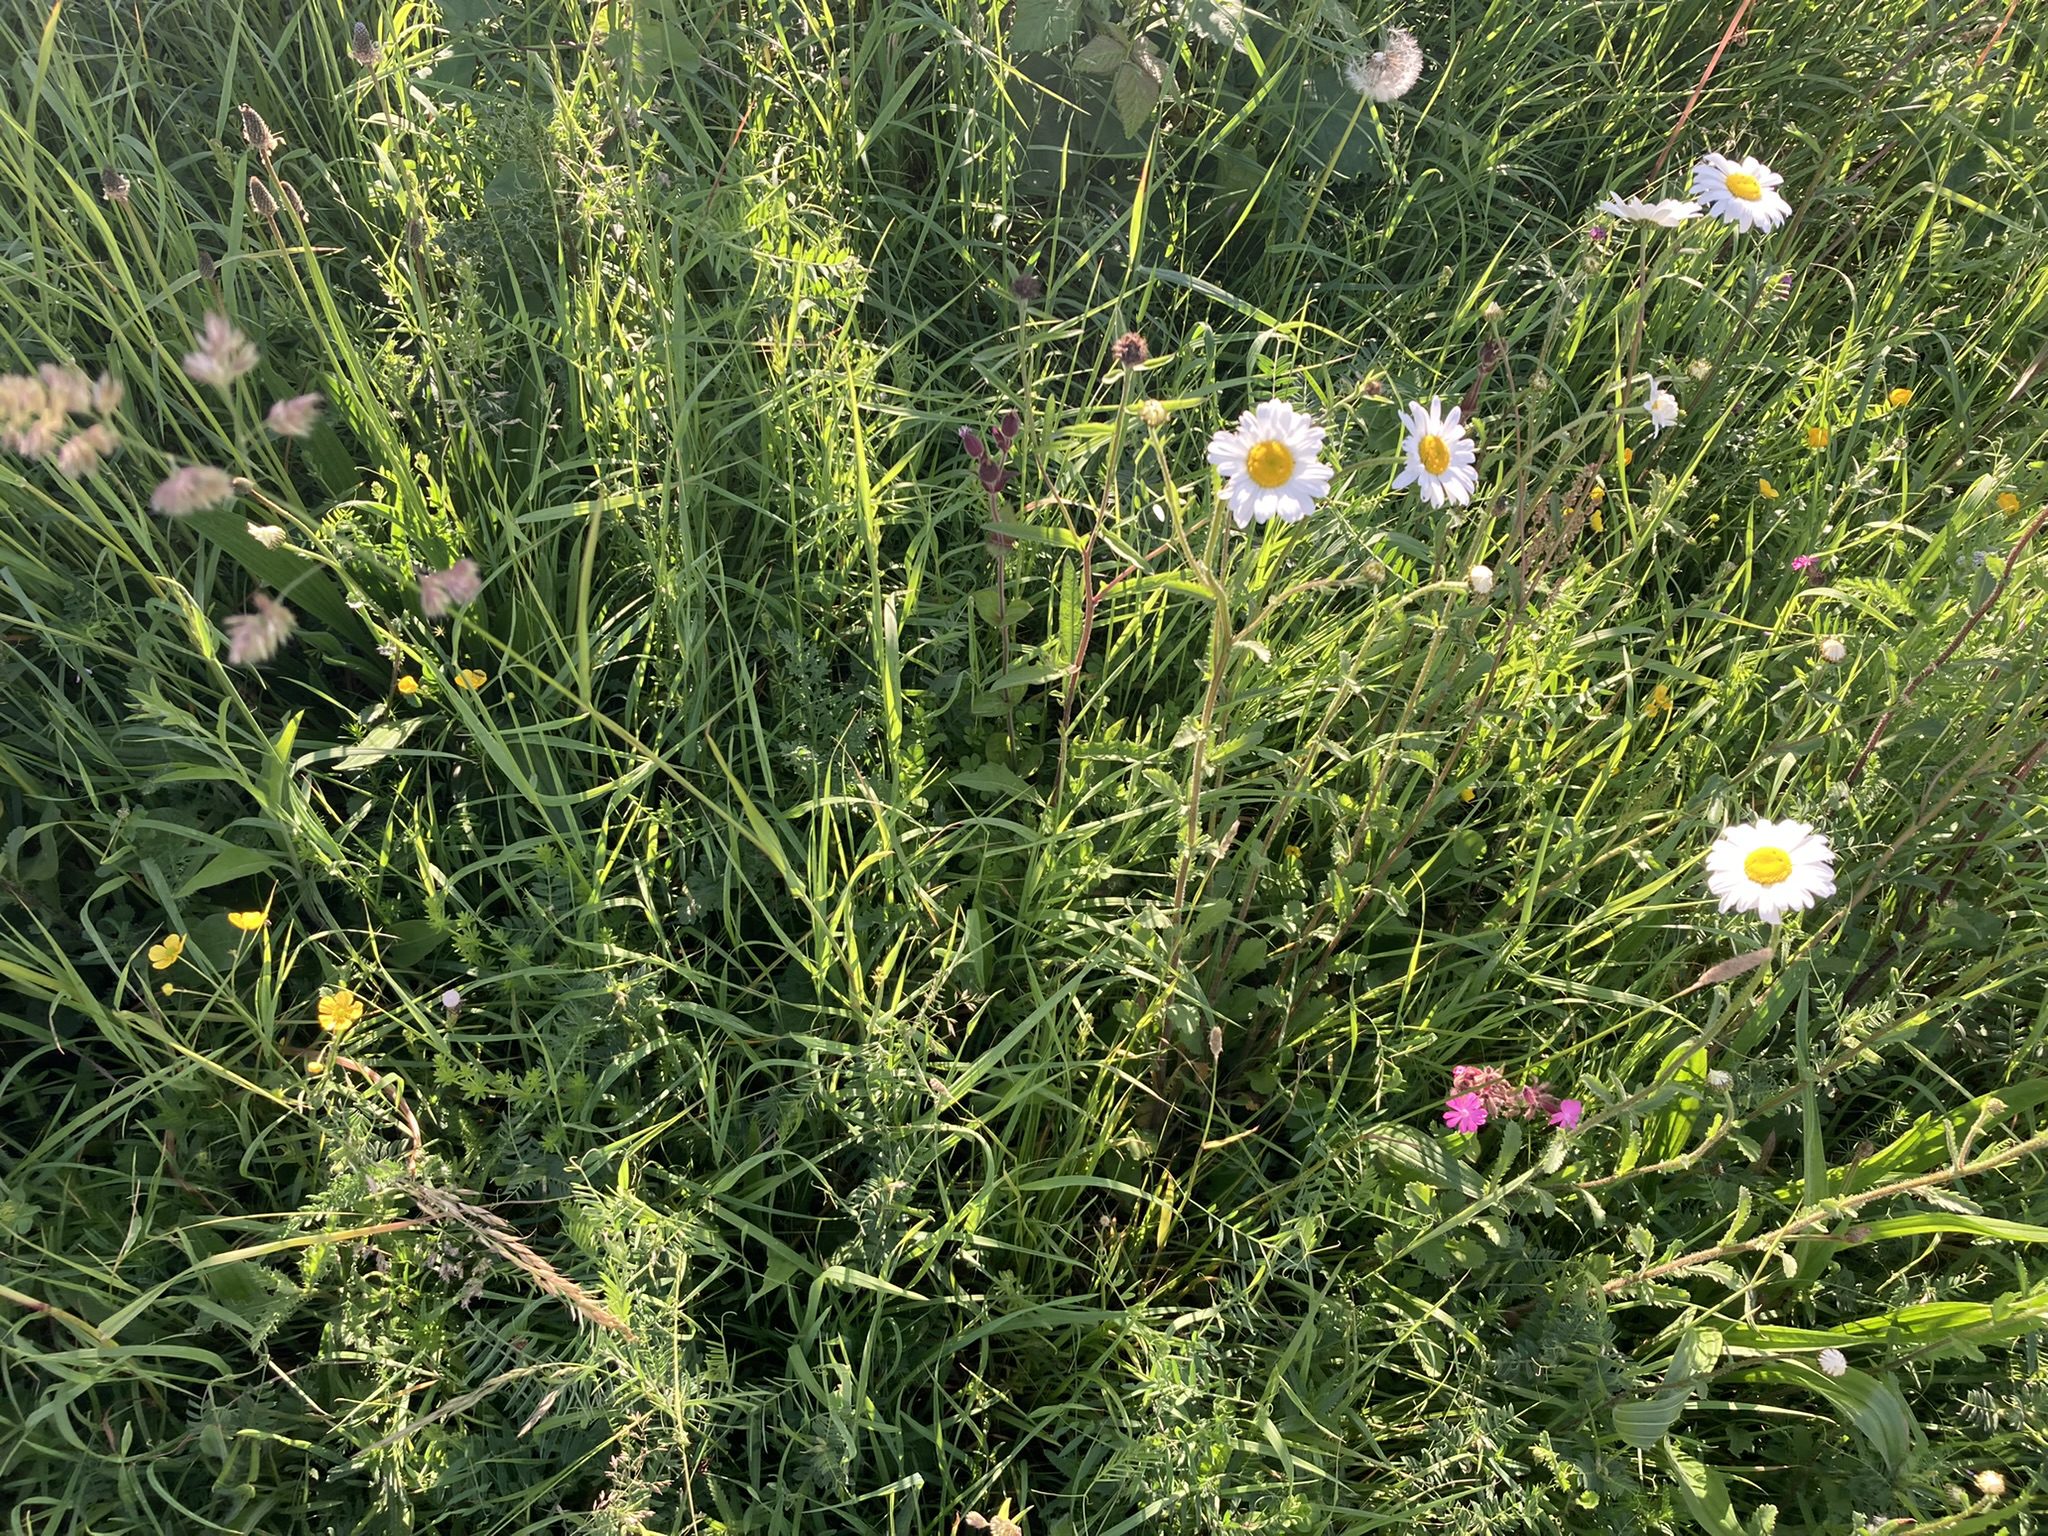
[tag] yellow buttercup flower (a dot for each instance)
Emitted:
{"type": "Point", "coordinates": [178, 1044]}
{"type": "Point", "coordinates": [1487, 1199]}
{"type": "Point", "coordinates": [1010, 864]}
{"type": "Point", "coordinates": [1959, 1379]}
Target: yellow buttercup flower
{"type": "Point", "coordinates": [169, 989]}
{"type": "Point", "coordinates": [1468, 794]}
{"type": "Point", "coordinates": [1660, 700]}
{"type": "Point", "coordinates": [1768, 491]}
{"type": "Point", "coordinates": [2008, 503]}
{"type": "Point", "coordinates": [1817, 437]}
{"type": "Point", "coordinates": [471, 678]}
{"type": "Point", "coordinates": [164, 955]}
{"type": "Point", "coordinates": [1599, 523]}
{"type": "Point", "coordinates": [408, 685]}
{"type": "Point", "coordinates": [1899, 396]}
{"type": "Point", "coordinates": [249, 922]}
{"type": "Point", "coordinates": [339, 1009]}
{"type": "Point", "coordinates": [1597, 495]}
{"type": "Point", "coordinates": [1628, 457]}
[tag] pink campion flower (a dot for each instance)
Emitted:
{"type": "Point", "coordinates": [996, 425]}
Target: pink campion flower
{"type": "Point", "coordinates": [223, 355]}
{"type": "Point", "coordinates": [1569, 1113]}
{"type": "Point", "coordinates": [1538, 1102]}
{"type": "Point", "coordinates": [1490, 1086]}
{"type": "Point", "coordinates": [295, 417]}
{"type": "Point", "coordinates": [456, 587]}
{"type": "Point", "coordinates": [1805, 562]}
{"type": "Point", "coordinates": [195, 488]}
{"type": "Point", "coordinates": [1466, 1112]}
{"type": "Point", "coordinates": [256, 637]}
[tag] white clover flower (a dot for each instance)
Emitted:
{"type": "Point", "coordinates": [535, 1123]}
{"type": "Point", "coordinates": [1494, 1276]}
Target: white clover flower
{"type": "Point", "coordinates": [1662, 406]}
{"type": "Point", "coordinates": [1390, 73]}
{"type": "Point", "coordinates": [1480, 580]}
{"type": "Point", "coordinates": [1832, 1362]}
{"type": "Point", "coordinates": [1269, 465]}
{"type": "Point", "coordinates": [1741, 192]}
{"type": "Point", "coordinates": [1441, 457]}
{"type": "Point", "coordinates": [1667, 214]}
{"type": "Point", "coordinates": [1770, 868]}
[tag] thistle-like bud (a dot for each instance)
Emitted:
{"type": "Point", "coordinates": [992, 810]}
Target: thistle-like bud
{"type": "Point", "coordinates": [290, 194]}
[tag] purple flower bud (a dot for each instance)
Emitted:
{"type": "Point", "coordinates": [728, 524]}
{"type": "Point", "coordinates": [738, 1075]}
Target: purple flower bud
{"type": "Point", "coordinates": [994, 476]}
{"type": "Point", "coordinates": [1597, 233]}
{"type": "Point", "coordinates": [1026, 287]}
{"type": "Point", "coordinates": [1007, 429]}
{"type": "Point", "coordinates": [970, 440]}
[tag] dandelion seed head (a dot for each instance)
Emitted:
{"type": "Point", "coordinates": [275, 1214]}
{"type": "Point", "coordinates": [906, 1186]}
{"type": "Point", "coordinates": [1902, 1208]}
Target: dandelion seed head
{"type": "Point", "coordinates": [1833, 651]}
{"type": "Point", "coordinates": [1390, 73]}
{"type": "Point", "coordinates": [1832, 1362]}
{"type": "Point", "coordinates": [1480, 580]}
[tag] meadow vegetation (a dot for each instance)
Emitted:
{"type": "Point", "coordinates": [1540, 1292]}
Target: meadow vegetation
{"type": "Point", "coordinates": [612, 927]}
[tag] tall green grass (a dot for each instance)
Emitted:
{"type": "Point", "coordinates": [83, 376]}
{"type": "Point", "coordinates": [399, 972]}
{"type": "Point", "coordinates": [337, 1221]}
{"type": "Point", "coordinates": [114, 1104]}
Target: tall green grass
{"type": "Point", "coordinates": [956, 1000]}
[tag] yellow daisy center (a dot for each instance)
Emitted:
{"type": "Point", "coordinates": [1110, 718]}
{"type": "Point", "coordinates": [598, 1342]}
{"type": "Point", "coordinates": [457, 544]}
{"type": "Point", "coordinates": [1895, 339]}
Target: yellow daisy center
{"type": "Point", "coordinates": [1269, 463]}
{"type": "Point", "coordinates": [1767, 866]}
{"type": "Point", "coordinates": [1745, 186]}
{"type": "Point", "coordinates": [1434, 453]}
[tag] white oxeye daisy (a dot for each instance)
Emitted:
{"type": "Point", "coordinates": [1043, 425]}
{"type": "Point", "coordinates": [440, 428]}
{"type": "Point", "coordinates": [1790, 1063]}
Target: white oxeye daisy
{"type": "Point", "coordinates": [1741, 192]}
{"type": "Point", "coordinates": [1663, 408]}
{"type": "Point", "coordinates": [1269, 465]}
{"type": "Point", "coordinates": [1770, 868]}
{"type": "Point", "coordinates": [1440, 455]}
{"type": "Point", "coordinates": [1667, 214]}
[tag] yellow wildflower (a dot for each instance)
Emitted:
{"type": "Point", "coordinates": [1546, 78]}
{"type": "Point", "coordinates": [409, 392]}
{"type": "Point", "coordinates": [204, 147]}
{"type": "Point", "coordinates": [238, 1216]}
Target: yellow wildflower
{"type": "Point", "coordinates": [1628, 457]}
{"type": "Point", "coordinates": [1599, 523]}
{"type": "Point", "coordinates": [1899, 396]}
{"type": "Point", "coordinates": [249, 922]}
{"type": "Point", "coordinates": [1768, 491]}
{"type": "Point", "coordinates": [169, 989]}
{"type": "Point", "coordinates": [1817, 437]}
{"type": "Point", "coordinates": [1468, 794]}
{"type": "Point", "coordinates": [1660, 700]}
{"type": "Point", "coordinates": [164, 955]}
{"type": "Point", "coordinates": [471, 678]}
{"type": "Point", "coordinates": [2008, 503]}
{"type": "Point", "coordinates": [1597, 495]}
{"type": "Point", "coordinates": [339, 1009]}
{"type": "Point", "coordinates": [408, 685]}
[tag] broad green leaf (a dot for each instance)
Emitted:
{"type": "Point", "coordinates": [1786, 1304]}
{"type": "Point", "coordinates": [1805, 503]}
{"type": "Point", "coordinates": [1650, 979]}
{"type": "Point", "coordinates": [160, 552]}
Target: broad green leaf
{"type": "Point", "coordinates": [1104, 54]}
{"type": "Point", "coordinates": [1869, 1405]}
{"type": "Point", "coordinates": [1135, 93]}
{"type": "Point", "coordinates": [231, 864]}
{"type": "Point", "coordinates": [1702, 1491]}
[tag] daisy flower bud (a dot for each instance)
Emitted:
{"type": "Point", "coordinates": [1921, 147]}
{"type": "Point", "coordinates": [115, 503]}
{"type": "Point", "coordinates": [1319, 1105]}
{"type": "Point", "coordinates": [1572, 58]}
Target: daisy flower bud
{"type": "Point", "coordinates": [1153, 414]}
{"type": "Point", "coordinates": [1833, 651]}
{"type": "Point", "coordinates": [1480, 580]}
{"type": "Point", "coordinates": [1832, 1362]}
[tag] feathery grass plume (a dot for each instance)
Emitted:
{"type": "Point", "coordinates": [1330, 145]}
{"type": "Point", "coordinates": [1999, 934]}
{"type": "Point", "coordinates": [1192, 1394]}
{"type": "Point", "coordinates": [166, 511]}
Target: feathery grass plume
{"type": "Point", "coordinates": [87, 451]}
{"type": "Point", "coordinates": [107, 395]}
{"type": "Point", "coordinates": [194, 488]}
{"type": "Point", "coordinates": [257, 135]}
{"type": "Point", "coordinates": [291, 196]}
{"type": "Point", "coordinates": [494, 1233]}
{"type": "Point", "coordinates": [261, 202]}
{"type": "Point", "coordinates": [456, 587]}
{"type": "Point", "coordinates": [1390, 73]}
{"type": "Point", "coordinates": [223, 355]}
{"type": "Point", "coordinates": [269, 535]}
{"type": "Point", "coordinates": [295, 417]}
{"type": "Point", "coordinates": [254, 638]}
{"type": "Point", "coordinates": [114, 187]}
{"type": "Point", "coordinates": [363, 48]}
{"type": "Point", "coordinates": [69, 390]}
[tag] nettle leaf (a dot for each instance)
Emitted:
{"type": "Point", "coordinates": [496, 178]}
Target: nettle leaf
{"type": "Point", "coordinates": [1042, 24]}
{"type": "Point", "coordinates": [1104, 54]}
